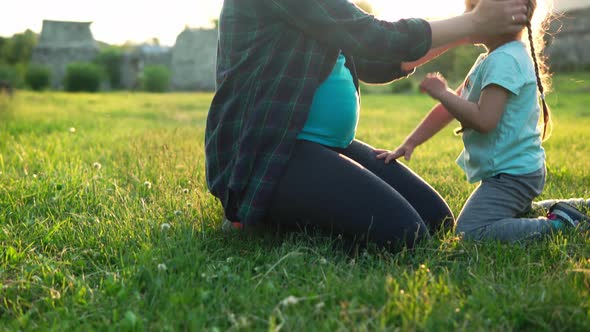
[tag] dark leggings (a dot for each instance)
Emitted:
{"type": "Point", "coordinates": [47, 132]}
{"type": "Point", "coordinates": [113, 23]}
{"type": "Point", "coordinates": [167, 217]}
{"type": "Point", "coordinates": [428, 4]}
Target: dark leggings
{"type": "Point", "coordinates": [350, 192]}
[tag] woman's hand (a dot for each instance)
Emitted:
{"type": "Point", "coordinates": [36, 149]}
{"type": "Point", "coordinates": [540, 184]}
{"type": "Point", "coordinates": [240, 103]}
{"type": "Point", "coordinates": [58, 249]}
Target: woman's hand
{"type": "Point", "coordinates": [494, 17]}
{"type": "Point", "coordinates": [405, 150]}
{"type": "Point", "coordinates": [434, 84]}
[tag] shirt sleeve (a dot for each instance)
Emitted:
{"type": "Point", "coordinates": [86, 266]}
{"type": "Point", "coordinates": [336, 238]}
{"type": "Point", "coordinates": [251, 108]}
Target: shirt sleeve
{"type": "Point", "coordinates": [379, 72]}
{"type": "Point", "coordinates": [502, 69]}
{"type": "Point", "coordinates": [342, 25]}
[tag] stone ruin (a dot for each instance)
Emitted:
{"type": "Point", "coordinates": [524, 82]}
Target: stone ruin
{"type": "Point", "coordinates": [134, 62]}
{"type": "Point", "coordinates": [193, 60]}
{"type": "Point", "coordinates": [569, 48]}
{"type": "Point", "coordinates": [62, 43]}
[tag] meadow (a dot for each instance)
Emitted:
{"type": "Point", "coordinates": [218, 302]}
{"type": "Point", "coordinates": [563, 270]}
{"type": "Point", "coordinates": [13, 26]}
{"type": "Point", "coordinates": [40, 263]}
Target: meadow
{"type": "Point", "coordinates": [106, 224]}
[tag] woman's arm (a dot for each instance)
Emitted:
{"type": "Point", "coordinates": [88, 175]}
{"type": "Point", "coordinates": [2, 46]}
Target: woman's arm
{"type": "Point", "coordinates": [431, 55]}
{"type": "Point", "coordinates": [340, 25]}
{"type": "Point", "coordinates": [489, 17]}
{"type": "Point", "coordinates": [482, 117]}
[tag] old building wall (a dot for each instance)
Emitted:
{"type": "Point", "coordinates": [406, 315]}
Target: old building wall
{"type": "Point", "coordinates": [569, 46]}
{"type": "Point", "coordinates": [193, 60]}
{"type": "Point", "coordinates": [62, 43]}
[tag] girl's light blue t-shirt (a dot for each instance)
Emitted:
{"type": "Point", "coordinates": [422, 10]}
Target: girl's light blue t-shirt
{"type": "Point", "coordinates": [514, 146]}
{"type": "Point", "coordinates": [334, 112]}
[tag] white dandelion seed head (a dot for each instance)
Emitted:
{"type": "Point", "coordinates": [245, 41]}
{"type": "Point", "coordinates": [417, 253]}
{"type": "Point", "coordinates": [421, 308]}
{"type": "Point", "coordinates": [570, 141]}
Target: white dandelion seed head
{"type": "Point", "coordinates": [290, 300]}
{"type": "Point", "coordinates": [34, 176]}
{"type": "Point", "coordinates": [72, 130]}
{"type": "Point", "coordinates": [165, 226]}
{"type": "Point", "coordinates": [185, 191]}
{"type": "Point", "coordinates": [97, 165]}
{"type": "Point", "coordinates": [323, 261]}
{"type": "Point", "coordinates": [162, 267]}
{"type": "Point", "coordinates": [177, 213]}
{"type": "Point", "coordinates": [189, 204]}
{"type": "Point", "coordinates": [147, 184]}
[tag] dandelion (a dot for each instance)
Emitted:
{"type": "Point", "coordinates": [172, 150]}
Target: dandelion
{"type": "Point", "coordinates": [185, 191]}
{"type": "Point", "coordinates": [72, 130]}
{"type": "Point", "coordinates": [189, 204]}
{"type": "Point", "coordinates": [147, 184]}
{"type": "Point", "coordinates": [323, 261]}
{"type": "Point", "coordinates": [162, 267]}
{"type": "Point", "coordinates": [165, 226]}
{"type": "Point", "coordinates": [55, 294]}
{"type": "Point", "coordinates": [97, 165]}
{"type": "Point", "coordinates": [319, 306]}
{"type": "Point", "coordinates": [34, 176]}
{"type": "Point", "coordinates": [177, 213]}
{"type": "Point", "coordinates": [291, 300]}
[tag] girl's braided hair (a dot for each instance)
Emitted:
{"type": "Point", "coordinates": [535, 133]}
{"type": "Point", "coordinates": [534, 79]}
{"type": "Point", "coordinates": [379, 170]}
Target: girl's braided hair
{"type": "Point", "coordinates": [537, 44]}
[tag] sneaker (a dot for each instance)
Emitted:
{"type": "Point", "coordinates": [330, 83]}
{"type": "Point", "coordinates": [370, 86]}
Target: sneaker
{"type": "Point", "coordinates": [578, 203]}
{"type": "Point", "coordinates": [229, 226]}
{"type": "Point", "coordinates": [568, 214]}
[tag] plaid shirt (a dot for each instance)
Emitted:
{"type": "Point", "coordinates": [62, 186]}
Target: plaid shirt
{"type": "Point", "coordinates": [272, 56]}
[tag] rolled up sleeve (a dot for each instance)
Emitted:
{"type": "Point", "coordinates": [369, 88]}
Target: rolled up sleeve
{"type": "Point", "coordinates": [342, 25]}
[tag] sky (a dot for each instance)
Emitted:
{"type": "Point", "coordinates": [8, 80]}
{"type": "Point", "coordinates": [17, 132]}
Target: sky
{"type": "Point", "coordinates": [118, 21]}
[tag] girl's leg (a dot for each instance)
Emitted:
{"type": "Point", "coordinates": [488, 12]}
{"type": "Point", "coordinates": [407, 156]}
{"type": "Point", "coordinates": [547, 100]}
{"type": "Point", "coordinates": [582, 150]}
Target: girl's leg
{"type": "Point", "coordinates": [431, 207]}
{"type": "Point", "coordinates": [322, 188]}
{"type": "Point", "coordinates": [491, 211]}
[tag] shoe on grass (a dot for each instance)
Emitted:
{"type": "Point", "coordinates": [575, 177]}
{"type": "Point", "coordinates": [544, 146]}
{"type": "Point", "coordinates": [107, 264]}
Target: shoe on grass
{"type": "Point", "coordinates": [229, 226]}
{"type": "Point", "coordinates": [568, 214]}
{"type": "Point", "coordinates": [578, 203]}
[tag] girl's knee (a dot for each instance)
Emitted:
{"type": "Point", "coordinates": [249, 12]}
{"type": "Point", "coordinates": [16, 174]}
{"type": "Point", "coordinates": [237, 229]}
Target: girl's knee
{"type": "Point", "coordinates": [468, 230]}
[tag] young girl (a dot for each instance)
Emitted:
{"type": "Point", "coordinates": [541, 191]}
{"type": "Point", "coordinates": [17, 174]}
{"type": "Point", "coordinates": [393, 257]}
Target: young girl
{"type": "Point", "coordinates": [498, 109]}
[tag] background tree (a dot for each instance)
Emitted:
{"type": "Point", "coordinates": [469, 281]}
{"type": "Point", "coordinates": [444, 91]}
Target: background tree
{"type": "Point", "coordinates": [19, 48]}
{"type": "Point", "coordinates": [110, 60]}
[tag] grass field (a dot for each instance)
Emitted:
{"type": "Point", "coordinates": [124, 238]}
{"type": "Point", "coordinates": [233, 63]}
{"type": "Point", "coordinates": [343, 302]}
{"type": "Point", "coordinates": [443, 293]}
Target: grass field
{"type": "Point", "coordinates": [106, 223]}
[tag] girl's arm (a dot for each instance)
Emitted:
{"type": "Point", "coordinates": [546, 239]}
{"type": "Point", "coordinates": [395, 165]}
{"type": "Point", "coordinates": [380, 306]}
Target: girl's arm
{"type": "Point", "coordinates": [435, 121]}
{"type": "Point", "coordinates": [482, 117]}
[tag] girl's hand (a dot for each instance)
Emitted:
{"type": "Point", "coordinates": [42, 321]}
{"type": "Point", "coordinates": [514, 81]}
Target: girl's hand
{"type": "Point", "coordinates": [434, 84]}
{"type": "Point", "coordinates": [404, 150]}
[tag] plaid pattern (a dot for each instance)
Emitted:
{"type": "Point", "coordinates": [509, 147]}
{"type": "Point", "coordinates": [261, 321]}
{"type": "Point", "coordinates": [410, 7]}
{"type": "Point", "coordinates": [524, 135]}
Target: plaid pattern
{"type": "Point", "coordinates": [272, 55]}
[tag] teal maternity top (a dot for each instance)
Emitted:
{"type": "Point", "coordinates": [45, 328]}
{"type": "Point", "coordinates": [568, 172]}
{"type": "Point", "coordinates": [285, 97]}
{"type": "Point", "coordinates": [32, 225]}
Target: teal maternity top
{"type": "Point", "coordinates": [334, 110]}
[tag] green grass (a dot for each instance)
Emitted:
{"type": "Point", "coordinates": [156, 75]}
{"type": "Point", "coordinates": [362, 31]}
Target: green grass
{"type": "Point", "coordinates": [83, 246]}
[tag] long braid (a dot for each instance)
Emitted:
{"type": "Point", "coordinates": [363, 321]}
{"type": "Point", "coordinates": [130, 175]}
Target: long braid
{"type": "Point", "coordinates": [546, 111]}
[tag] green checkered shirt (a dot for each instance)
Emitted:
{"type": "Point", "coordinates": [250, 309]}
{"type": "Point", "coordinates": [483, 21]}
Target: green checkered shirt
{"type": "Point", "coordinates": [272, 56]}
